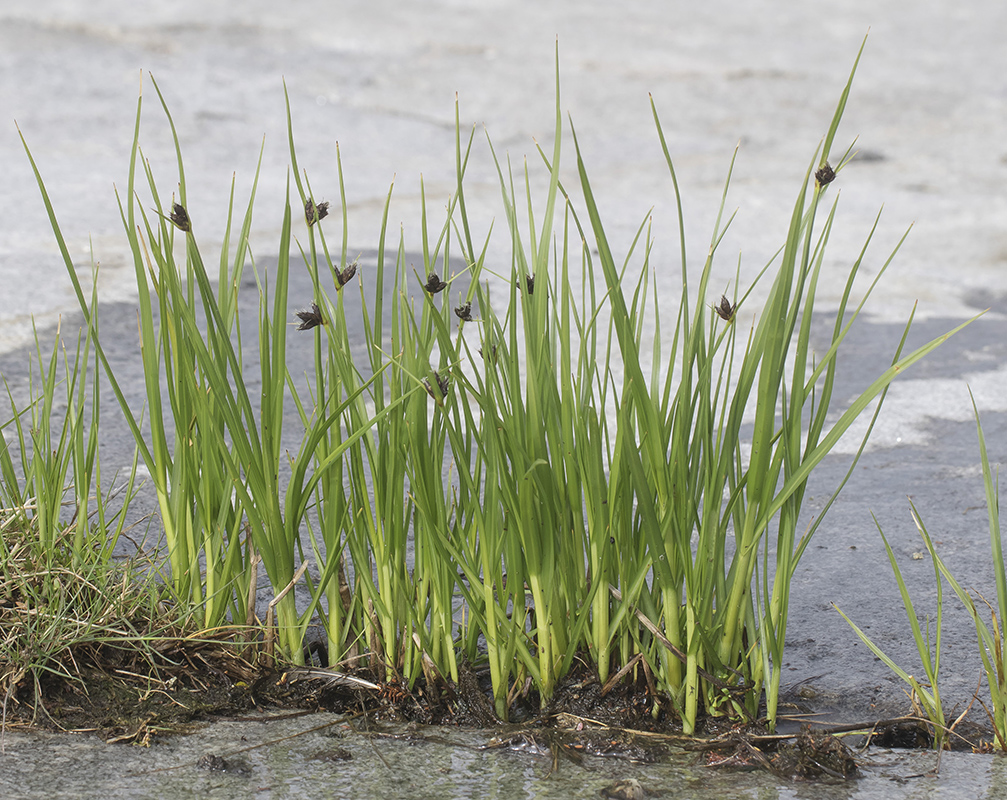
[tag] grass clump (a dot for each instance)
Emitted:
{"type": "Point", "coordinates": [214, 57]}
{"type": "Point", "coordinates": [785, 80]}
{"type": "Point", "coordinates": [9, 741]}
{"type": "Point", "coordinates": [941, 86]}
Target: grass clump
{"type": "Point", "coordinates": [514, 486]}
{"type": "Point", "coordinates": [926, 694]}
{"type": "Point", "coordinates": [61, 590]}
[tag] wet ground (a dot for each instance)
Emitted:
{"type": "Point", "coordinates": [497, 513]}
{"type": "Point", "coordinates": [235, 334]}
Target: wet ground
{"type": "Point", "coordinates": [325, 756]}
{"type": "Point", "coordinates": [380, 77]}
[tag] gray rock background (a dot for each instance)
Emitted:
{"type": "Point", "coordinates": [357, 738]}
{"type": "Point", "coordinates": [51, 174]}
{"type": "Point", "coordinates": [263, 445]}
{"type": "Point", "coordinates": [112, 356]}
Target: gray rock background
{"type": "Point", "coordinates": [928, 106]}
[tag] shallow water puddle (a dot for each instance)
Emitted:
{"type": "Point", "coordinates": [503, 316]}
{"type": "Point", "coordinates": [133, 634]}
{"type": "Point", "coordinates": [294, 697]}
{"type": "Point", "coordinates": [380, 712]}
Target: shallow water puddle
{"type": "Point", "coordinates": [321, 756]}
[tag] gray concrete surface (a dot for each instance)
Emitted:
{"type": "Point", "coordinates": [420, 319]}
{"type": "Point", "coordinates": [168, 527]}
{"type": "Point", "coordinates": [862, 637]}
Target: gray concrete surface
{"type": "Point", "coordinates": [929, 106]}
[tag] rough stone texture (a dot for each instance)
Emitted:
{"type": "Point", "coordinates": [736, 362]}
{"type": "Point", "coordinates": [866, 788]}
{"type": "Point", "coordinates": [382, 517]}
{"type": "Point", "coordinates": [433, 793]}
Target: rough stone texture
{"type": "Point", "coordinates": [380, 78]}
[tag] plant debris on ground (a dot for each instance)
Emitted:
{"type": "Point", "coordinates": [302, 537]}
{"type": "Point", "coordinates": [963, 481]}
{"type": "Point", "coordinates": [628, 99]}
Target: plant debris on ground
{"type": "Point", "coordinates": [178, 684]}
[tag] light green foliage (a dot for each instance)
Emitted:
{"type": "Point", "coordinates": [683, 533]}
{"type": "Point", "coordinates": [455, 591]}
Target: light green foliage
{"type": "Point", "coordinates": [990, 636]}
{"type": "Point", "coordinates": [507, 483]}
{"type": "Point", "coordinates": [925, 694]}
{"type": "Point", "coordinates": [60, 522]}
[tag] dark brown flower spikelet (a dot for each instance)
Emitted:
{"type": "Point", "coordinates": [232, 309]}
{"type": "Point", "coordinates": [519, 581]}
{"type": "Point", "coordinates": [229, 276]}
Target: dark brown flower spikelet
{"type": "Point", "coordinates": [492, 353]}
{"type": "Point", "coordinates": [180, 217]}
{"type": "Point", "coordinates": [464, 312]}
{"type": "Point", "coordinates": [310, 319]}
{"type": "Point", "coordinates": [724, 309]}
{"type": "Point", "coordinates": [825, 175]}
{"type": "Point", "coordinates": [313, 213]}
{"type": "Point", "coordinates": [529, 281]}
{"type": "Point", "coordinates": [434, 283]}
{"type": "Point", "coordinates": [345, 276]}
{"type": "Point", "coordinates": [443, 384]}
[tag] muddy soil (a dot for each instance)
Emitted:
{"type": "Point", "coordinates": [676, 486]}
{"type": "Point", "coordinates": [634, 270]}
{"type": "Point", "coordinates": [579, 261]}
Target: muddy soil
{"type": "Point", "coordinates": [123, 699]}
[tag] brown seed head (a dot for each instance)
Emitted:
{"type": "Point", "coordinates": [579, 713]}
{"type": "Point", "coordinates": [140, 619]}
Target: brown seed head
{"type": "Point", "coordinates": [434, 283]}
{"type": "Point", "coordinates": [464, 312]}
{"type": "Point", "coordinates": [344, 276]}
{"type": "Point", "coordinates": [443, 384]}
{"type": "Point", "coordinates": [313, 213]}
{"type": "Point", "coordinates": [724, 309]}
{"type": "Point", "coordinates": [180, 217]}
{"type": "Point", "coordinates": [825, 175]}
{"type": "Point", "coordinates": [310, 319]}
{"type": "Point", "coordinates": [492, 355]}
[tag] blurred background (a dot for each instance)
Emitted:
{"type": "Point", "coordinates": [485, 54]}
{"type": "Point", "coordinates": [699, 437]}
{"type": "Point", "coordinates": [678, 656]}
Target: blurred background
{"type": "Point", "coordinates": [381, 79]}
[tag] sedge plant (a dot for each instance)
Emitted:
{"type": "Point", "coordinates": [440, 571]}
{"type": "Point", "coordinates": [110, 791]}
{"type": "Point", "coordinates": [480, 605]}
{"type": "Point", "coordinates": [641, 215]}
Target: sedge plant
{"type": "Point", "coordinates": [214, 456]}
{"type": "Point", "coordinates": [677, 451]}
{"type": "Point", "coordinates": [525, 484]}
{"type": "Point", "coordinates": [924, 693]}
{"type": "Point", "coordinates": [990, 635]}
{"type": "Point", "coordinates": [593, 478]}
